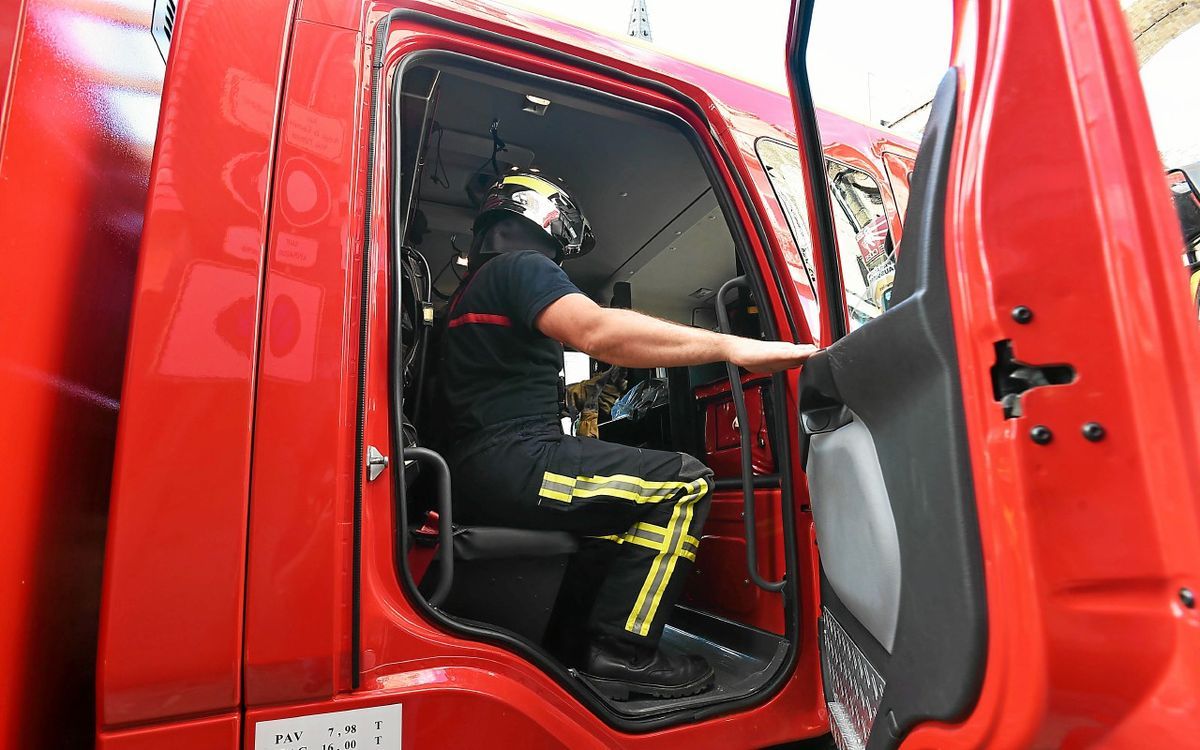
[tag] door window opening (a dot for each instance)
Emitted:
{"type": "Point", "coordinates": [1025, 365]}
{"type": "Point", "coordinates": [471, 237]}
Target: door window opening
{"type": "Point", "coordinates": [665, 241]}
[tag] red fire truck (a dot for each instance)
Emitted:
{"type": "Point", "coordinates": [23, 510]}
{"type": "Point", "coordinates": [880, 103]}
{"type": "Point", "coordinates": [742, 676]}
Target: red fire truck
{"type": "Point", "coordinates": [970, 522]}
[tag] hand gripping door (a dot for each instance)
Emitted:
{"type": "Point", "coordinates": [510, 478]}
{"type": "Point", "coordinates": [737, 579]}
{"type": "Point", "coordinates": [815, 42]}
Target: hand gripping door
{"type": "Point", "coordinates": [903, 621]}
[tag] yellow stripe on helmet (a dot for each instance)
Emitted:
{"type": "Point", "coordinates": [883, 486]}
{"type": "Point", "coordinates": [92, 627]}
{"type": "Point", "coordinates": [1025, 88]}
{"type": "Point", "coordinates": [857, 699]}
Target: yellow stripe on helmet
{"type": "Point", "coordinates": [542, 187]}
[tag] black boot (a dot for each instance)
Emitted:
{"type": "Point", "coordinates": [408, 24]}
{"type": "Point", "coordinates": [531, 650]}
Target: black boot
{"type": "Point", "coordinates": [619, 669]}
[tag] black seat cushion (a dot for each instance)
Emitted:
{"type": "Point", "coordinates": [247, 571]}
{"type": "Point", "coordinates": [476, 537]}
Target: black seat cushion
{"type": "Point", "coordinates": [497, 543]}
{"type": "Point", "coordinates": [505, 577]}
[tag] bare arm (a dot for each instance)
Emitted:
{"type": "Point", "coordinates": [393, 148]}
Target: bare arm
{"type": "Point", "coordinates": [630, 339]}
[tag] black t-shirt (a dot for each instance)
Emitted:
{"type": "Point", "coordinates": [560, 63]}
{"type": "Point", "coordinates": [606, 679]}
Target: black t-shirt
{"type": "Point", "coordinates": [496, 366]}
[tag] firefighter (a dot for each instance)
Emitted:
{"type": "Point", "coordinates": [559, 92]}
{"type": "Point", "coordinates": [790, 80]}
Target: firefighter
{"type": "Point", "coordinates": [513, 465]}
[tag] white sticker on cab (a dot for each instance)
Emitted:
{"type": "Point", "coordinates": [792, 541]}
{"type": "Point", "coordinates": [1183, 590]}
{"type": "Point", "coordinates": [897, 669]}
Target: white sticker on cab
{"type": "Point", "coordinates": [375, 728]}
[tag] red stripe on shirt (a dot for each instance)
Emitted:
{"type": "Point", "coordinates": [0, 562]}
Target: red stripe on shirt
{"type": "Point", "coordinates": [483, 318]}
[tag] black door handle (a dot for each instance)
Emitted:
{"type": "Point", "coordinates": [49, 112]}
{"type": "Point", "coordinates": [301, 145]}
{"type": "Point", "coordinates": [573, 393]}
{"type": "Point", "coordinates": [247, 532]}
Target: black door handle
{"type": "Point", "coordinates": [825, 419]}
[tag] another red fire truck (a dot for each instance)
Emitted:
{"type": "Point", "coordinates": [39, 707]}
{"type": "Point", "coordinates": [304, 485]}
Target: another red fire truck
{"type": "Point", "coordinates": [970, 522]}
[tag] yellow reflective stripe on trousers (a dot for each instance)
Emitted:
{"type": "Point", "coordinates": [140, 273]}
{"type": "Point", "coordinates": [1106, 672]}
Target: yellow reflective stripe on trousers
{"type": "Point", "coordinates": [671, 543]}
{"type": "Point", "coordinates": [557, 487]}
{"type": "Point", "coordinates": [650, 596]}
{"type": "Point", "coordinates": [653, 537]}
{"type": "Point", "coordinates": [629, 539]}
{"type": "Point", "coordinates": [637, 497]}
{"type": "Point", "coordinates": [642, 534]}
{"type": "Point", "coordinates": [634, 624]}
{"type": "Point", "coordinates": [690, 543]}
{"type": "Point", "coordinates": [673, 555]}
{"type": "Point", "coordinates": [650, 528]}
{"type": "Point", "coordinates": [624, 486]}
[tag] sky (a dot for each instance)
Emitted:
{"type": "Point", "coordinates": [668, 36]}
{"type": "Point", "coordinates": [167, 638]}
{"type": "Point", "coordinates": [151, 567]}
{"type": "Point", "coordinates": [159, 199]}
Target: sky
{"type": "Point", "coordinates": [1174, 99]}
{"type": "Point", "coordinates": [743, 37]}
{"type": "Point", "coordinates": [885, 68]}
{"type": "Point", "coordinates": [870, 60]}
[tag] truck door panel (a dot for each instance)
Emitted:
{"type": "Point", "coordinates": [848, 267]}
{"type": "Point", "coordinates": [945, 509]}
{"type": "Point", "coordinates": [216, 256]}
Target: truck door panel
{"type": "Point", "coordinates": [171, 619]}
{"type": "Point", "coordinates": [888, 473]}
{"type": "Point", "coordinates": [305, 377]}
{"type": "Point", "coordinates": [856, 527]}
{"type": "Point", "coordinates": [1070, 633]}
{"type": "Point", "coordinates": [208, 733]}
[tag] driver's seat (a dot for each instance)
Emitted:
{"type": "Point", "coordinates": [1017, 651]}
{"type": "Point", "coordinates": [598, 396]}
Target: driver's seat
{"type": "Point", "coordinates": [505, 577]}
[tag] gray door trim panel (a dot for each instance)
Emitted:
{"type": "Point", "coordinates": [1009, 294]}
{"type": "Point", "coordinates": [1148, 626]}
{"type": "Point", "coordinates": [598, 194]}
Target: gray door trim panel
{"type": "Point", "coordinates": [856, 531]}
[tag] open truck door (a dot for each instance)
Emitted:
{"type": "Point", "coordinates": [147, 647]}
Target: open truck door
{"type": "Point", "coordinates": [904, 605]}
{"type": "Point", "coordinates": [994, 461]}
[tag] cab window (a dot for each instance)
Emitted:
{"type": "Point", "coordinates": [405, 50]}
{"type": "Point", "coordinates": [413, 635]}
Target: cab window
{"type": "Point", "coordinates": [865, 246]}
{"type": "Point", "coordinates": [781, 161]}
{"type": "Point", "coordinates": [666, 245]}
{"type": "Point", "coordinates": [864, 240]}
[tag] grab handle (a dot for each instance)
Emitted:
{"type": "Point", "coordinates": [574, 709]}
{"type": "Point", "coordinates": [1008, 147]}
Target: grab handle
{"type": "Point", "coordinates": [445, 526]}
{"type": "Point", "coordinates": [743, 424]}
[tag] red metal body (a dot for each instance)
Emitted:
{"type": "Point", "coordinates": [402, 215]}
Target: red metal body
{"type": "Point", "coordinates": [722, 446]}
{"type": "Point", "coordinates": [1090, 548]}
{"type": "Point", "coordinates": [176, 556]}
{"type": "Point", "coordinates": [79, 93]}
{"type": "Point", "coordinates": [718, 583]}
{"type": "Point", "coordinates": [295, 592]}
{"type": "Point", "coordinates": [226, 571]}
{"type": "Point", "coordinates": [1087, 545]}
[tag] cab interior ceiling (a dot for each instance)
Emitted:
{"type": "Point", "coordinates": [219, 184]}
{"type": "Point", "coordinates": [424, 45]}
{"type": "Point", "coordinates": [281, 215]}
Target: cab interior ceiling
{"type": "Point", "coordinates": [639, 180]}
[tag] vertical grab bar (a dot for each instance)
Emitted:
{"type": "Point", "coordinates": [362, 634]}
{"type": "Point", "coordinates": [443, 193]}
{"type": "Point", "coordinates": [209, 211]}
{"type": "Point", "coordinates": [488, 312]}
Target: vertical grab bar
{"type": "Point", "coordinates": [739, 406]}
{"type": "Point", "coordinates": [445, 522]}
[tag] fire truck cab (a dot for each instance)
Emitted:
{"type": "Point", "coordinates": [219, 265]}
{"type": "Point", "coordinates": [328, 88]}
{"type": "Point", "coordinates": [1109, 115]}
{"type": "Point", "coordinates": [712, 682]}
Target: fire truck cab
{"type": "Point", "coordinates": [969, 522]}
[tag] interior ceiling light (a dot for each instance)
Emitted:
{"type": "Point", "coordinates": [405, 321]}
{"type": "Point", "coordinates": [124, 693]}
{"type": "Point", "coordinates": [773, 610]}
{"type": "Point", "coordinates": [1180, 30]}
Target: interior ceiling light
{"type": "Point", "coordinates": [535, 105]}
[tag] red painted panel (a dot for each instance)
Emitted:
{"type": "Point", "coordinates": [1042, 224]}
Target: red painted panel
{"type": "Point", "coordinates": [722, 436]}
{"type": "Point", "coordinates": [297, 610]}
{"type": "Point", "coordinates": [11, 19]}
{"type": "Point", "coordinates": [290, 653]}
{"type": "Point", "coordinates": [720, 582]}
{"type": "Point", "coordinates": [478, 705]}
{"type": "Point", "coordinates": [171, 621]}
{"type": "Point", "coordinates": [78, 111]}
{"type": "Point", "coordinates": [348, 14]}
{"type": "Point", "coordinates": [212, 733]}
